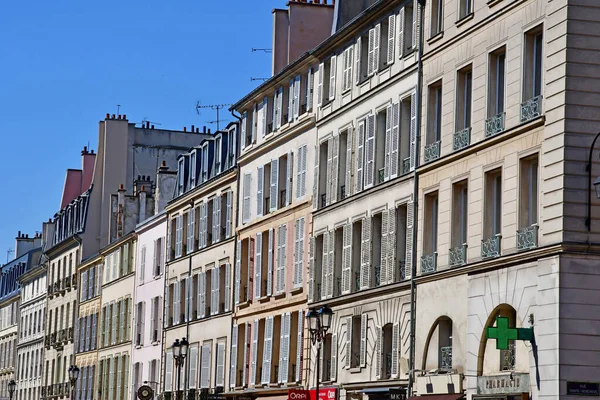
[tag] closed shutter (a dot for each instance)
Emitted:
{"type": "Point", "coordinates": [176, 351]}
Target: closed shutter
{"type": "Point", "coordinates": [243, 129]}
{"type": "Point", "coordinates": [401, 33]}
{"type": "Point", "coordinates": [169, 245]}
{"type": "Point", "coordinates": [205, 367]}
{"type": "Point", "coordinates": [296, 98]}
{"type": "Point", "coordinates": [254, 122]}
{"type": "Point", "coordinates": [320, 84]}
{"type": "Point", "coordinates": [311, 271]}
{"type": "Point", "coordinates": [193, 373]}
{"type": "Point", "coordinates": [330, 267]}
{"type": "Point", "coordinates": [245, 367]}
{"type": "Point", "coordinates": [370, 152]}
{"type": "Point", "coordinates": [279, 106]}
{"type": "Point", "coordinates": [238, 272]}
{"type": "Point", "coordinates": [264, 112]}
{"type": "Point", "coordinates": [115, 315]}
{"type": "Point", "coordinates": [377, 48]}
{"type": "Point", "coordinates": [395, 349]}
{"type": "Point", "coordinates": [153, 311]}
{"type": "Point", "coordinates": [88, 331]}
{"type": "Point", "coordinates": [291, 100]}
{"type": "Point", "coordinates": [270, 260]}
{"type": "Point", "coordinates": [388, 143]}
{"type": "Point", "coordinates": [84, 282]}
{"type": "Point", "coordinates": [246, 198]}
{"type": "Point", "coordinates": [395, 141]}
{"type": "Point", "coordinates": [391, 39]}
{"type": "Point", "coordinates": [176, 303]}
{"type": "Point", "coordinates": [201, 311]}
{"type": "Point", "coordinates": [348, 360]}
{"type": "Point", "coordinates": [360, 156]}
{"type": "Point", "coordinates": [267, 351]}
{"type": "Point", "coordinates": [330, 172]}
{"type": "Point", "coordinates": [168, 372]}
{"type": "Point", "coordinates": [274, 185]}
{"type": "Point", "coordinates": [119, 376]}
{"type": "Point", "coordinates": [94, 331]}
{"type": "Point", "coordinates": [217, 236]}
{"type": "Point", "coordinates": [216, 284]}
{"type": "Point", "coordinates": [350, 162]}
{"type": "Point", "coordinates": [415, 27]}
{"type": "Point", "coordinates": [258, 269]}
{"type": "Point", "coordinates": [298, 252]}
{"type": "Point", "coordinates": [288, 178]}
{"type": "Point", "coordinates": [332, 74]}
{"type": "Point", "coordinates": [315, 199]}
{"type": "Point", "coordinates": [229, 214]}
{"type": "Point", "coordinates": [233, 357]}
{"type": "Point", "coordinates": [220, 376]}
{"type": "Point", "coordinates": [260, 187]}
{"type": "Point", "coordinates": [284, 348]}
{"type": "Point", "coordinates": [323, 290]}
{"type": "Point", "coordinates": [409, 238]}
{"type": "Point", "coordinates": [357, 54]}
{"type": "Point", "coordinates": [335, 169]}
{"type": "Point", "coordinates": [347, 259]}
{"type": "Point", "coordinates": [227, 286]}
{"type": "Point", "coordinates": [413, 130]}
{"type": "Point", "coordinates": [300, 347]}
{"type": "Point", "coordinates": [363, 339]}
{"type": "Point", "coordinates": [251, 266]}
{"type": "Point", "coordinates": [309, 89]}
{"type": "Point", "coordinates": [371, 53]}
{"type": "Point", "coordinates": [254, 362]}
{"type": "Point", "coordinates": [365, 259]}
{"type": "Point", "coordinates": [281, 258]}
{"type": "Point", "coordinates": [191, 245]}
{"type": "Point", "coordinates": [215, 221]}
{"type": "Point", "coordinates": [300, 172]}
{"type": "Point", "coordinates": [391, 246]}
{"type": "Point", "coordinates": [378, 352]}
{"type": "Point", "coordinates": [334, 357]}
{"type": "Point", "coordinates": [383, 261]}
{"type": "Point", "coordinates": [201, 226]}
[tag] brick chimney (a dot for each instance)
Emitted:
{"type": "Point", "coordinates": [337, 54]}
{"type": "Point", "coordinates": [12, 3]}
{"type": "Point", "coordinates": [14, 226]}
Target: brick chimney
{"type": "Point", "coordinates": [24, 244]}
{"type": "Point", "coordinates": [88, 161]}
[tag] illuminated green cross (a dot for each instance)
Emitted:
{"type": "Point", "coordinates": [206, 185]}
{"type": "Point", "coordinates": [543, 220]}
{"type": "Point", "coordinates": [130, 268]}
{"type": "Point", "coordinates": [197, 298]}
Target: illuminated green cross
{"type": "Point", "coordinates": [502, 333]}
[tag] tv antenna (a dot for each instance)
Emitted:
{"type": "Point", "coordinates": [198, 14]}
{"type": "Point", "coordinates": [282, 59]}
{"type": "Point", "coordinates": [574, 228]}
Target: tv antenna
{"type": "Point", "coordinates": [8, 253]}
{"type": "Point", "coordinates": [259, 79]}
{"type": "Point", "coordinates": [215, 107]}
{"type": "Point", "coordinates": [254, 50]}
{"type": "Point", "coordinates": [146, 122]}
{"type": "Point", "coordinates": [118, 109]}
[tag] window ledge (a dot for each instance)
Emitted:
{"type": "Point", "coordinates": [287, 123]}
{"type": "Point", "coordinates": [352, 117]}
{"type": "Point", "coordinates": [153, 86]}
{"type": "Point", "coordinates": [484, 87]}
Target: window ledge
{"type": "Point", "coordinates": [297, 290]}
{"type": "Point", "coordinates": [436, 37]}
{"type": "Point", "coordinates": [263, 299]}
{"type": "Point", "coordinates": [244, 304]}
{"type": "Point", "coordinates": [492, 3]}
{"type": "Point", "coordinates": [155, 343]}
{"type": "Point", "coordinates": [465, 19]}
{"type": "Point", "coordinates": [279, 295]}
{"type": "Point", "coordinates": [354, 370]}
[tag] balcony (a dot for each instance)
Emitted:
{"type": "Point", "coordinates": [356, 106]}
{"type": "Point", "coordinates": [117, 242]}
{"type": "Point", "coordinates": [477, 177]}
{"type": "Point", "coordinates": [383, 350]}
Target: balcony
{"type": "Point", "coordinates": [401, 271]}
{"type": "Point", "coordinates": [356, 281]}
{"type": "Point", "coordinates": [377, 275]}
{"type": "Point", "coordinates": [387, 372]}
{"type": "Point", "coordinates": [527, 238]}
{"type": "Point", "coordinates": [432, 151]}
{"type": "Point", "coordinates": [428, 263]}
{"type": "Point", "coordinates": [406, 166]}
{"type": "Point", "coordinates": [342, 192]}
{"type": "Point", "coordinates": [490, 247]}
{"type": "Point", "coordinates": [461, 139]}
{"type": "Point", "coordinates": [507, 358]}
{"type": "Point", "coordinates": [323, 200]}
{"type": "Point", "coordinates": [282, 198]}
{"type": "Point", "coordinates": [446, 357]}
{"type": "Point", "coordinates": [458, 256]}
{"type": "Point", "coordinates": [531, 109]}
{"type": "Point", "coordinates": [494, 125]}
{"type": "Point", "coordinates": [381, 175]}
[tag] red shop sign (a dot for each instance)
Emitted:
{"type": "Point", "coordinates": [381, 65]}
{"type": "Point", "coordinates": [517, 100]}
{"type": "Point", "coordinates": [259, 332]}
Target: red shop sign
{"type": "Point", "coordinates": [324, 394]}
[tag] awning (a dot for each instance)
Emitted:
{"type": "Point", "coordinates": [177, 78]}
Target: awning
{"type": "Point", "coordinates": [376, 390]}
{"type": "Point", "coordinates": [454, 396]}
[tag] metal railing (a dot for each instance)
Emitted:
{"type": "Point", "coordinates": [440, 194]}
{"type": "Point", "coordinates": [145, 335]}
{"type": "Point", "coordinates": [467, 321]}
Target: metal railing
{"type": "Point", "coordinates": [461, 139]}
{"type": "Point", "coordinates": [494, 125]}
{"type": "Point", "coordinates": [318, 292]}
{"type": "Point", "coordinates": [387, 372]}
{"type": "Point", "coordinates": [282, 198]}
{"type": "Point", "coordinates": [401, 273]}
{"type": "Point", "coordinates": [381, 175]}
{"type": "Point", "coordinates": [527, 238]}
{"type": "Point", "coordinates": [490, 247]}
{"type": "Point", "coordinates": [458, 255]}
{"type": "Point", "coordinates": [356, 281]}
{"type": "Point", "coordinates": [342, 192]}
{"type": "Point", "coordinates": [428, 263]}
{"type": "Point", "coordinates": [338, 286]}
{"type": "Point", "coordinates": [446, 357]}
{"type": "Point", "coordinates": [377, 275]}
{"type": "Point", "coordinates": [531, 109]}
{"type": "Point", "coordinates": [323, 200]}
{"type": "Point", "coordinates": [432, 151]}
{"type": "Point", "coordinates": [406, 166]}
{"type": "Point", "coordinates": [326, 370]}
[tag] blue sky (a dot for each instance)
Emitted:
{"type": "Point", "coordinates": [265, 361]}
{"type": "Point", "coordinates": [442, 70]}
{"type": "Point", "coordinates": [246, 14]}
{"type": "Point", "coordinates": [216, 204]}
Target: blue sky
{"type": "Point", "coordinates": [65, 64]}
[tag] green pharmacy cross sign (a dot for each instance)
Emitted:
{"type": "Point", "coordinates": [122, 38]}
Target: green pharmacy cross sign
{"type": "Point", "coordinates": [503, 334]}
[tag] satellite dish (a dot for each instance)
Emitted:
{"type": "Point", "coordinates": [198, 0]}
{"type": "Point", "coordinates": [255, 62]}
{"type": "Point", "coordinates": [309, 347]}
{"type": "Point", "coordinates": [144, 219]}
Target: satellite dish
{"type": "Point", "coordinates": [403, 364]}
{"type": "Point", "coordinates": [145, 392]}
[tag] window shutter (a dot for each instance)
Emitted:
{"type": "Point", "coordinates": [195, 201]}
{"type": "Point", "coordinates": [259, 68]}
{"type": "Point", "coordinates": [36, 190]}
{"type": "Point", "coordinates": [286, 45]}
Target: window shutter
{"type": "Point", "coordinates": [363, 339]}
{"type": "Point", "coordinates": [258, 269]}
{"type": "Point", "coordinates": [227, 286]}
{"type": "Point", "coordinates": [350, 163]}
{"type": "Point", "coordinates": [214, 201]}
{"type": "Point", "coordinates": [279, 107]}
{"type": "Point", "coordinates": [201, 311]}
{"type": "Point", "coordinates": [168, 372]}
{"type": "Point", "coordinates": [383, 261]}
{"type": "Point", "coordinates": [324, 290]}
{"type": "Point", "coordinates": [205, 367]}
{"type": "Point", "coordinates": [357, 54]}
{"type": "Point", "coordinates": [251, 258]}
{"type": "Point", "coordinates": [281, 258]}
{"type": "Point", "coordinates": [270, 258]}
{"type": "Point", "coordinates": [265, 108]}
{"type": "Point", "coordinates": [274, 185]}
{"type": "Point", "coordinates": [94, 331]}
{"type": "Point", "coordinates": [217, 237]}
{"type": "Point", "coordinates": [391, 39]}
{"type": "Point", "coordinates": [395, 349]}
{"type": "Point", "coordinates": [409, 238]}
{"type": "Point", "coordinates": [247, 359]}
{"type": "Point", "coordinates": [268, 351]}
{"type": "Point", "coordinates": [84, 281]}
{"type": "Point", "coordinates": [288, 178]}
{"type": "Point", "coordinates": [284, 365]}
{"type": "Point", "coordinates": [299, 173]}
{"type": "Point", "coordinates": [315, 199]}
{"type": "Point", "coordinates": [167, 305]}
{"type": "Point", "coordinates": [176, 303]}
{"type": "Point", "coordinates": [233, 357]}
{"type": "Point", "coordinates": [228, 214]}
{"type": "Point", "coordinates": [296, 98]}
{"type": "Point", "coordinates": [254, 364]}
{"type": "Point", "coordinates": [348, 342]}
{"type": "Point", "coordinates": [291, 100]}
{"type": "Point", "coordinates": [216, 287]}
{"type": "Point", "coordinates": [238, 272]}
{"type": "Point", "coordinates": [391, 246]}
{"type": "Point", "coordinates": [201, 226]}
{"type": "Point", "coordinates": [193, 373]}
{"type": "Point", "coordinates": [360, 155]}
{"type": "Point", "coordinates": [254, 122]}
{"type": "Point", "coordinates": [309, 89]}
{"type": "Point", "coordinates": [115, 317]}
{"type": "Point", "coordinates": [415, 27]}
{"type": "Point", "coordinates": [376, 48]}
{"type": "Point", "coordinates": [220, 378]}
{"type": "Point", "coordinates": [298, 251]}
{"type": "Point", "coordinates": [332, 74]}
{"type": "Point", "coordinates": [191, 230]}
{"type": "Point", "coordinates": [299, 346]}
{"type": "Point", "coordinates": [330, 268]}
{"type": "Point", "coordinates": [365, 267]}
{"type": "Point", "coordinates": [347, 259]}
{"type": "Point", "coordinates": [401, 33]}
{"type": "Point", "coordinates": [243, 129]}
{"type": "Point", "coordinates": [311, 271]}
{"type": "Point", "coordinates": [246, 198]}
{"type": "Point", "coordinates": [371, 53]}
{"type": "Point", "coordinates": [387, 169]}
{"type": "Point", "coordinates": [153, 311]}
{"type": "Point", "coordinates": [395, 140]}
{"type": "Point", "coordinates": [370, 152]}
{"type": "Point", "coordinates": [413, 130]}
{"type": "Point", "coordinates": [329, 171]}
{"type": "Point", "coordinates": [335, 172]}
{"type": "Point", "coordinates": [378, 352]}
{"type": "Point", "coordinates": [320, 84]}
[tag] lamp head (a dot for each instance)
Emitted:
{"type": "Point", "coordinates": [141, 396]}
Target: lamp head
{"type": "Point", "coordinates": [325, 316]}
{"type": "Point", "coordinates": [184, 347]}
{"type": "Point", "coordinates": [11, 386]}
{"type": "Point", "coordinates": [176, 348]}
{"type": "Point", "coordinates": [597, 187]}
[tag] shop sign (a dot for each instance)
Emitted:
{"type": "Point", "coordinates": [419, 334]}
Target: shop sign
{"type": "Point", "coordinates": [397, 394]}
{"type": "Point", "coordinates": [583, 389]}
{"type": "Point", "coordinates": [324, 394]}
{"type": "Point", "coordinates": [503, 384]}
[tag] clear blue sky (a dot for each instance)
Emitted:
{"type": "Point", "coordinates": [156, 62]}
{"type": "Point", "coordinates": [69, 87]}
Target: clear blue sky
{"type": "Point", "coordinates": [65, 64]}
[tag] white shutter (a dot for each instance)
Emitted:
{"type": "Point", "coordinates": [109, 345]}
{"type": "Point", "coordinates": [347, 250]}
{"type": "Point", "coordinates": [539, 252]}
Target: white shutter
{"type": "Point", "coordinates": [247, 367]}
{"type": "Point", "coordinates": [388, 143]}
{"type": "Point", "coordinates": [246, 198]}
{"type": "Point", "coordinates": [300, 171]}
{"type": "Point", "coordinates": [188, 299]}
{"type": "Point", "coordinates": [409, 238]}
{"type": "Point", "coordinates": [215, 288]}
{"type": "Point", "coordinates": [193, 373]}
{"type": "Point", "coordinates": [300, 346]}
{"type": "Point", "coordinates": [218, 222]}
{"type": "Point", "coordinates": [330, 267]}
{"type": "Point", "coordinates": [167, 309]}
{"type": "Point", "coordinates": [330, 171]}
{"type": "Point", "coordinates": [258, 267]}
{"type": "Point", "coordinates": [254, 122]}
{"type": "Point", "coordinates": [320, 84]}
{"type": "Point", "coordinates": [253, 364]}
{"type": "Point", "coordinates": [378, 352]}
{"type": "Point", "coordinates": [279, 106]}
{"type": "Point", "coordinates": [350, 162]}
{"type": "Point", "coordinates": [365, 266]}
{"type": "Point", "coordinates": [265, 109]}
{"type": "Point", "coordinates": [284, 348]}
{"type": "Point", "coordinates": [259, 191]}
{"type": "Point", "coordinates": [383, 261]}
{"type": "Point", "coordinates": [288, 178]}
{"type": "Point", "coordinates": [332, 74]}
{"type": "Point", "coordinates": [391, 246]}
{"type": "Point", "coordinates": [296, 98]}
{"type": "Point", "coordinates": [233, 357]}
{"type": "Point", "coordinates": [274, 185]}
{"type": "Point", "coordinates": [347, 259]}
{"type": "Point", "coordinates": [334, 357]}
{"type": "Point", "coordinates": [201, 226]}
{"type": "Point", "coordinates": [334, 169]}
{"type": "Point", "coordinates": [228, 215]}
{"type": "Point", "coordinates": [176, 303]}
{"type": "Point", "coordinates": [370, 152]}
{"type": "Point", "coordinates": [371, 53]}
{"type": "Point", "coordinates": [363, 339]}
{"type": "Point", "coordinates": [322, 294]}
{"type": "Point", "coordinates": [281, 258]}
{"type": "Point", "coordinates": [413, 130]}
{"type": "Point", "coordinates": [220, 375]}
{"type": "Point", "coordinates": [153, 311]}
{"type": "Point", "coordinates": [315, 199]}
{"type": "Point", "coordinates": [298, 251]}
{"type": "Point", "coordinates": [191, 231]}
{"type": "Point", "coordinates": [238, 272]}
{"type": "Point", "coordinates": [401, 33]}
{"type": "Point", "coordinates": [205, 367]}
{"type": "Point", "coordinates": [267, 351]}
{"type": "Point", "coordinates": [214, 201]}
{"type": "Point", "coordinates": [376, 48]}
{"type": "Point", "coordinates": [201, 311]}
{"type": "Point", "coordinates": [360, 156]}
{"type": "Point", "coordinates": [357, 54]}
{"type": "Point", "coordinates": [143, 324]}
{"type": "Point", "coordinates": [348, 362]}
{"type": "Point", "coordinates": [243, 128]}
{"type": "Point", "coordinates": [415, 27]}
{"type": "Point", "coordinates": [309, 89]}
{"type": "Point", "coordinates": [395, 349]}
{"type": "Point", "coordinates": [311, 271]}
{"type": "Point", "coordinates": [227, 293]}
{"type": "Point", "coordinates": [395, 141]}
{"type": "Point", "coordinates": [168, 372]}
{"type": "Point", "coordinates": [270, 254]}
{"type": "Point", "coordinates": [291, 100]}
{"type": "Point", "coordinates": [391, 39]}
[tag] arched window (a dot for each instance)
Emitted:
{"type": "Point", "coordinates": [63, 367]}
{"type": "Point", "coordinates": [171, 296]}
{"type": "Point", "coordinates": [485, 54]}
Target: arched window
{"type": "Point", "coordinates": [438, 348]}
{"type": "Point", "coordinates": [491, 360]}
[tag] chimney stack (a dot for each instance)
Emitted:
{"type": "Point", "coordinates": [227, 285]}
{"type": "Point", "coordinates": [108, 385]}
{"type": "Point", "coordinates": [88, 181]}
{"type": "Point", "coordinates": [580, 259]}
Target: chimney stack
{"type": "Point", "coordinates": [165, 187]}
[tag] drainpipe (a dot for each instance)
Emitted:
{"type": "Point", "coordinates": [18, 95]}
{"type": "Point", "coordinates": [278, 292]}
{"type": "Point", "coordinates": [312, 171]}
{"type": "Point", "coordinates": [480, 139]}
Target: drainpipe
{"type": "Point", "coordinates": [413, 288]}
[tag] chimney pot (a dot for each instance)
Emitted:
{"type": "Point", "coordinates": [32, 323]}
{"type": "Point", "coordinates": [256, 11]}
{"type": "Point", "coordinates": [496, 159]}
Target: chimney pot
{"type": "Point", "coordinates": [197, 130]}
{"type": "Point", "coordinates": [152, 126]}
{"type": "Point", "coordinates": [139, 177]}
{"type": "Point", "coordinates": [107, 115]}
{"type": "Point", "coordinates": [193, 129]}
{"type": "Point", "coordinates": [121, 187]}
{"type": "Point", "coordinates": [143, 188]}
{"type": "Point", "coordinates": [119, 116]}
{"type": "Point", "coordinates": [185, 129]}
{"type": "Point", "coordinates": [208, 130]}
{"type": "Point", "coordinates": [19, 234]}
{"type": "Point", "coordinates": [164, 163]}
{"type": "Point", "coordinates": [147, 124]}
{"type": "Point", "coordinates": [124, 116]}
{"type": "Point", "coordinates": [204, 129]}
{"type": "Point", "coordinates": [113, 116]}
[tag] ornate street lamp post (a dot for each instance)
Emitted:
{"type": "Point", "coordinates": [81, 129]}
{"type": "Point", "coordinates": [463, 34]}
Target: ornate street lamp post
{"type": "Point", "coordinates": [319, 324]}
{"type": "Point", "coordinates": [11, 388]}
{"type": "Point", "coordinates": [180, 349]}
{"type": "Point", "coordinates": [73, 376]}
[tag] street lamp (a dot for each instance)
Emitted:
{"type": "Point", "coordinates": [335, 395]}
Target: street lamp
{"type": "Point", "coordinates": [319, 323]}
{"type": "Point", "coordinates": [73, 376]}
{"type": "Point", "coordinates": [11, 388]}
{"type": "Point", "coordinates": [588, 221]}
{"type": "Point", "coordinates": [180, 349]}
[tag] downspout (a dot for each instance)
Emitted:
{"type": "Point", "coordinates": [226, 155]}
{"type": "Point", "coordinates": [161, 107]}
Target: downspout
{"type": "Point", "coordinates": [413, 288]}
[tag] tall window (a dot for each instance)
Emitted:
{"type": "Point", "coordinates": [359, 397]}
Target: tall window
{"type": "Point", "coordinates": [445, 343]}
{"type": "Point", "coordinates": [528, 203]}
{"type": "Point", "coordinates": [434, 133]}
{"type": "Point", "coordinates": [431, 224]}
{"type": "Point", "coordinates": [356, 255]}
{"type": "Point", "coordinates": [493, 214]}
{"type": "Point", "coordinates": [466, 8]}
{"type": "Point", "coordinates": [497, 79]}
{"type": "Point", "coordinates": [437, 16]}
{"type": "Point", "coordinates": [464, 98]}
{"type": "Point", "coordinates": [533, 63]}
{"type": "Point", "coordinates": [459, 223]}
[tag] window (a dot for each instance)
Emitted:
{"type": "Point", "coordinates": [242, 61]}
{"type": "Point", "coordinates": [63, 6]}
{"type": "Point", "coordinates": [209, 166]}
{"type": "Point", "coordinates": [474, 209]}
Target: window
{"type": "Point", "coordinates": [466, 8]}
{"type": "Point", "coordinates": [374, 45]}
{"type": "Point", "coordinates": [281, 258]}
{"type": "Point", "coordinates": [348, 61]}
{"type": "Point", "coordinates": [459, 223]}
{"type": "Point", "coordinates": [181, 176]}
{"type": "Point", "coordinates": [337, 260]}
{"type": "Point", "coordinates": [528, 203]}
{"type": "Point", "coordinates": [388, 30]}
{"type": "Point", "coordinates": [158, 259]}
{"type": "Point", "coordinates": [445, 343]}
{"type": "Point", "coordinates": [326, 375]}
{"type": "Point", "coordinates": [533, 64]}
{"type": "Point", "coordinates": [437, 17]}
{"type": "Point", "coordinates": [326, 84]}
{"type": "Point", "coordinates": [377, 241]}
{"type": "Point", "coordinates": [294, 99]}
{"type": "Point", "coordinates": [435, 113]}
{"type": "Point", "coordinates": [356, 255]}
{"type": "Point", "coordinates": [382, 136]}
{"type": "Point", "coordinates": [497, 82]}
{"type": "Point", "coordinates": [139, 325]}
{"type": "Point", "coordinates": [493, 214]}
{"type": "Point", "coordinates": [464, 98]}
{"type": "Point", "coordinates": [430, 232]}
{"type": "Point", "coordinates": [363, 65]}
{"type": "Point", "coordinates": [409, 43]}
{"type": "Point", "coordinates": [343, 164]}
{"type": "Point", "coordinates": [318, 266]}
{"type": "Point", "coordinates": [218, 152]}
{"type": "Point", "coordinates": [323, 182]}
{"type": "Point", "coordinates": [193, 169]}
{"type": "Point", "coordinates": [355, 340]}
{"type": "Point", "coordinates": [263, 268]}
{"type": "Point", "coordinates": [406, 124]}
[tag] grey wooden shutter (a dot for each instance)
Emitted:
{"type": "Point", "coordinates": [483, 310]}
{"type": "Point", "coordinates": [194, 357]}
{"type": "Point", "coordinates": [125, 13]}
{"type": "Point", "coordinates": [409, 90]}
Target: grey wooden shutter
{"type": "Point", "coordinates": [220, 373]}
{"type": "Point", "coordinates": [335, 172]}
{"type": "Point", "coordinates": [253, 364]}
{"type": "Point", "coordinates": [260, 178]}
{"type": "Point", "coordinates": [258, 269]}
{"type": "Point", "coordinates": [227, 287]}
{"type": "Point", "coordinates": [347, 259]}
{"type": "Point", "coordinates": [322, 294]}
{"type": "Point", "coordinates": [395, 349]}
{"type": "Point", "coordinates": [228, 218]}
{"type": "Point", "coordinates": [383, 261]}
{"type": "Point", "coordinates": [291, 101]}
{"type": "Point", "coordinates": [388, 143]}
{"type": "Point", "coordinates": [334, 357]}
{"type": "Point", "coordinates": [377, 48]}
{"type": "Point", "coordinates": [330, 267]}
{"type": "Point", "coordinates": [315, 199]}
{"type": "Point", "coordinates": [360, 156]}
{"type": "Point", "coordinates": [365, 266]}
{"type": "Point", "coordinates": [296, 98]}
{"type": "Point", "coordinates": [330, 172]}
{"type": "Point", "coordinates": [243, 129]}
{"type": "Point", "coordinates": [193, 373]}
{"type": "Point", "coordinates": [371, 53]}
{"type": "Point", "coordinates": [391, 33]}
{"type": "Point", "coordinates": [332, 74]}
{"type": "Point", "coordinates": [350, 162]}
{"type": "Point", "coordinates": [378, 352]}
{"type": "Point", "coordinates": [265, 109]}
{"type": "Point", "coordinates": [267, 351]}
{"type": "Point", "coordinates": [357, 55]}
{"type": "Point", "coordinates": [415, 27]}
{"type": "Point", "coordinates": [201, 311]}
{"type": "Point", "coordinates": [370, 152]}
{"type": "Point", "coordinates": [288, 178]}
{"type": "Point", "coordinates": [233, 357]}
{"type": "Point", "coordinates": [284, 348]}
{"type": "Point", "coordinates": [348, 360]}
{"type": "Point", "coordinates": [413, 130]}
{"type": "Point", "coordinates": [205, 367]}
{"type": "Point", "coordinates": [270, 256]}
{"type": "Point", "coordinates": [409, 238]}
{"type": "Point", "coordinates": [363, 339]}
{"type": "Point", "coordinates": [300, 346]}
{"type": "Point", "coordinates": [320, 84]}
{"type": "Point", "coordinates": [395, 141]}
{"type": "Point", "coordinates": [311, 271]}
{"type": "Point", "coordinates": [238, 272]}
{"type": "Point", "coordinates": [274, 185]}
{"type": "Point", "coordinates": [391, 246]}
{"type": "Point", "coordinates": [246, 198]}
{"type": "Point", "coordinates": [401, 33]}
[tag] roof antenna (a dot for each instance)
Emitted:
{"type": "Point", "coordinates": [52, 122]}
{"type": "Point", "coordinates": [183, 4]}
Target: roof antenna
{"type": "Point", "coordinates": [118, 109]}
{"type": "Point", "coordinates": [8, 253]}
{"type": "Point", "coordinates": [254, 50]}
{"type": "Point", "coordinates": [216, 107]}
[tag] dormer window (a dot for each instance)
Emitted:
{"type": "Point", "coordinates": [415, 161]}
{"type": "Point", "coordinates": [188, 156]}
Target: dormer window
{"type": "Point", "coordinates": [181, 174]}
{"type": "Point", "coordinates": [205, 163]}
{"type": "Point", "coordinates": [193, 169]}
{"type": "Point", "coordinates": [218, 145]}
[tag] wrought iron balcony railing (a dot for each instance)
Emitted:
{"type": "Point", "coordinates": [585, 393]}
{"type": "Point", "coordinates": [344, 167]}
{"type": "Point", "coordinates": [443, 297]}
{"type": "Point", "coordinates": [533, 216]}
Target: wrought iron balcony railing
{"type": "Point", "coordinates": [432, 151]}
{"type": "Point", "coordinates": [490, 247]}
{"type": "Point", "coordinates": [323, 200]}
{"type": "Point", "coordinates": [446, 357]}
{"type": "Point", "coordinates": [531, 109]}
{"type": "Point", "coordinates": [356, 281]}
{"type": "Point", "coordinates": [387, 373]}
{"type": "Point", "coordinates": [458, 255]}
{"type": "Point", "coordinates": [381, 175]}
{"type": "Point", "coordinates": [406, 166]}
{"type": "Point", "coordinates": [401, 273]}
{"type": "Point", "coordinates": [428, 263]}
{"type": "Point", "coordinates": [338, 287]}
{"type": "Point", "coordinates": [494, 125]}
{"type": "Point", "coordinates": [527, 238]}
{"type": "Point", "coordinates": [342, 192]}
{"type": "Point", "coordinates": [461, 139]}
{"type": "Point", "coordinates": [377, 275]}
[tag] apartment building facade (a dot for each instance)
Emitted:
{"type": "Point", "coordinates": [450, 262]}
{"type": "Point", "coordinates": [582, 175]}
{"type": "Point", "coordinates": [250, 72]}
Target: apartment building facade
{"type": "Point", "coordinates": [362, 233]}
{"type": "Point", "coordinates": [200, 246]}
